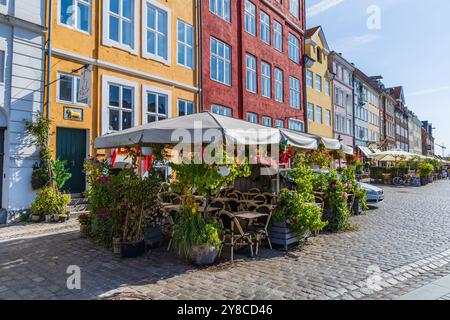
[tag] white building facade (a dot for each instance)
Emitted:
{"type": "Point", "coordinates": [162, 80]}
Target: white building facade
{"type": "Point", "coordinates": [22, 55]}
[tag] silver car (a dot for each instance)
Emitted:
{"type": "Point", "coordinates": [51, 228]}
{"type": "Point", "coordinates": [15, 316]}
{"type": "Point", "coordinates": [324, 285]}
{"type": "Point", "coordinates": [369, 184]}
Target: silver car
{"type": "Point", "coordinates": [374, 194]}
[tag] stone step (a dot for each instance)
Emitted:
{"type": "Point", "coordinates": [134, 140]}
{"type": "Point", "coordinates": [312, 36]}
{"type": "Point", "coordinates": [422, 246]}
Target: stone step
{"type": "Point", "coordinates": [78, 201]}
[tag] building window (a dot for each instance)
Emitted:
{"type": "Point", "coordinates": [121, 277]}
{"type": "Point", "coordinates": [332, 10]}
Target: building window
{"type": "Point", "coordinates": [121, 23]}
{"type": "Point", "coordinates": [185, 107]}
{"type": "Point", "coordinates": [264, 27]}
{"type": "Point", "coordinates": [319, 55]}
{"type": "Point", "coordinates": [120, 107]}
{"type": "Point", "coordinates": [2, 66]}
{"type": "Point", "coordinates": [318, 83]}
{"type": "Point", "coordinates": [296, 125]}
{"type": "Point", "coordinates": [250, 18]}
{"type": "Point", "coordinates": [279, 123]}
{"type": "Point", "coordinates": [185, 44]}
{"type": "Point", "coordinates": [279, 85]}
{"type": "Point", "coordinates": [327, 88]}
{"type": "Point", "coordinates": [68, 89]}
{"type": "Point", "coordinates": [251, 83]}
{"type": "Point", "coordinates": [310, 111]}
{"type": "Point", "coordinates": [294, 48]}
{"type": "Point", "coordinates": [221, 110]}
{"type": "Point", "coordinates": [309, 79]}
{"type": "Point", "coordinates": [156, 107]}
{"type": "Point", "coordinates": [267, 121]}
{"type": "Point", "coordinates": [277, 36]}
{"type": "Point", "coordinates": [252, 117]}
{"type": "Point", "coordinates": [294, 8]}
{"type": "Point", "coordinates": [220, 8]}
{"type": "Point", "coordinates": [294, 85]}
{"type": "Point", "coordinates": [156, 32]}
{"type": "Point", "coordinates": [266, 80]}
{"type": "Point", "coordinates": [76, 14]}
{"type": "Point", "coordinates": [328, 117]}
{"type": "Point", "coordinates": [319, 114]}
{"type": "Point", "coordinates": [220, 62]}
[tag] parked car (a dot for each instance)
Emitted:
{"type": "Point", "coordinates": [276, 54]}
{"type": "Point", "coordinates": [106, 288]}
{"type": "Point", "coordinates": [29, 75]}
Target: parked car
{"type": "Point", "coordinates": [374, 194]}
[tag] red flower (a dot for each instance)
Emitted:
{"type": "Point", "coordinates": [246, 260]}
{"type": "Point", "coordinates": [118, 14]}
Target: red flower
{"type": "Point", "coordinates": [296, 219]}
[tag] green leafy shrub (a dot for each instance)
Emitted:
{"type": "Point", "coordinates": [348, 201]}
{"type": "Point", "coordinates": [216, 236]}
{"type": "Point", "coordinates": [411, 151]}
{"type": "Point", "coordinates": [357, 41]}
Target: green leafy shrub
{"type": "Point", "coordinates": [49, 201]}
{"type": "Point", "coordinates": [426, 169]}
{"type": "Point", "coordinates": [62, 174]}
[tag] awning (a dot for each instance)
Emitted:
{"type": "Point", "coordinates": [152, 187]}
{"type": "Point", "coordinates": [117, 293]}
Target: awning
{"type": "Point", "coordinates": [299, 140]}
{"type": "Point", "coordinates": [331, 144]}
{"type": "Point", "coordinates": [203, 127]}
{"type": "Point", "coordinates": [347, 149]}
{"type": "Point", "coordinates": [369, 153]}
{"type": "Point", "coordinates": [394, 156]}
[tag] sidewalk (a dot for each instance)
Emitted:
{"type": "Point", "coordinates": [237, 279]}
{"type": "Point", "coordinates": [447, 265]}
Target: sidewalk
{"type": "Point", "coordinates": [437, 290]}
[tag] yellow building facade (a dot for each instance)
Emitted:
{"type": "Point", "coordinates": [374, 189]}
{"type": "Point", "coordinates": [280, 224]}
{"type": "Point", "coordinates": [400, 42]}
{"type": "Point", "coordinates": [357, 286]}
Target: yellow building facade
{"type": "Point", "coordinates": [319, 85]}
{"type": "Point", "coordinates": [143, 60]}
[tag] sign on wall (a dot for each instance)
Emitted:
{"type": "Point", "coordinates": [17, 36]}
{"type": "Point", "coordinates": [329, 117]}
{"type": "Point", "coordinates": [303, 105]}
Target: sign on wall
{"type": "Point", "coordinates": [84, 89]}
{"type": "Point", "coordinates": [74, 114]}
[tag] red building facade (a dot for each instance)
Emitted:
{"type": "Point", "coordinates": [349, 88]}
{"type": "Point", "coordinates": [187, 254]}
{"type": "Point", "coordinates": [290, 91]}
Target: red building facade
{"type": "Point", "coordinates": [251, 46]}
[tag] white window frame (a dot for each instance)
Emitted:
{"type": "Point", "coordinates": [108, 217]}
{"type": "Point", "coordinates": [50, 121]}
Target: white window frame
{"type": "Point", "coordinates": [254, 116]}
{"type": "Point", "coordinates": [185, 45]}
{"type": "Point", "coordinates": [310, 112]}
{"type": "Point", "coordinates": [152, 89]}
{"type": "Point", "coordinates": [168, 11]}
{"type": "Point", "coordinates": [106, 41]}
{"type": "Point", "coordinates": [319, 110]}
{"type": "Point", "coordinates": [267, 118]}
{"type": "Point", "coordinates": [328, 117]}
{"type": "Point", "coordinates": [316, 82]}
{"type": "Point", "coordinates": [253, 71]}
{"type": "Point", "coordinates": [294, 46]}
{"type": "Point", "coordinates": [224, 17]}
{"type": "Point", "coordinates": [264, 26]}
{"type": "Point", "coordinates": [250, 16]}
{"type": "Point", "coordinates": [186, 102]}
{"type": "Point", "coordinates": [221, 107]}
{"type": "Point", "coordinates": [74, 101]}
{"type": "Point", "coordinates": [295, 91]}
{"type": "Point", "coordinates": [327, 87]}
{"type": "Point", "coordinates": [75, 16]}
{"type": "Point", "coordinates": [292, 121]}
{"type": "Point", "coordinates": [278, 122]}
{"type": "Point", "coordinates": [309, 78]}
{"type": "Point", "coordinates": [277, 36]}
{"type": "Point", "coordinates": [106, 81]}
{"type": "Point", "coordinates": [224, 59]}
{"type": "Point", "coordinates": [266, 78]}
{"type": "Point", "coordinates": [294, 8]}
{"type": "Point", "coordinates": [279, 85]}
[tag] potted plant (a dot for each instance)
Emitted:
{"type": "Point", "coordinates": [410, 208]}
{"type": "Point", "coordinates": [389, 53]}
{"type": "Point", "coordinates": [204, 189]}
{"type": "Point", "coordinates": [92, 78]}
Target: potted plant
{"type": "Point", "coordinates": [48, 201]}
{"type": "Point", "coordinates": [425, 170]}
{"type": "Point", "coordinates": [83, 219]}
{"type": "Point", "coordinates": [195, 238]}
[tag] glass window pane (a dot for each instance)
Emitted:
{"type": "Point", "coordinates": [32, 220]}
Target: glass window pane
{"type": "Point", "coordinates": [190, 57]}
{"type": "Point", "coordinates": [127, 33]}
{"type": "Point", "coordinates": [190, 35]}
{"type": "Point", "coordinates": [162, 46]}
{"type": "Point", "coordinates": [151, 18]}
{"type": "Point", "coordinates": [181, 54]}
{"type": "Point", "coordinates": [181, 108]}
{"type": "Point", "coordinates": [126, 120]}
{"type": "Point", "coordinates": [85, 101]}
{"type": "Point", "coordinates": [162, 104]}
{"type": "Point", "coordinates": [127, 98]}
{"type": "Point", "coordinates": [181, 34]}
{"type": "Point", "coordinates": [113, 28]}
{"type": "Point", "coordinates": [190, 108]}
{"type": "Point", "coordinates": [127, 10]}
{"type": "Point", "coordinates": [83, 17]}
{"type": "Point", "coordinates": [114, 120]}
{"type": "Point", "coordinates": [213, 68]}
{"type": "Point", "coordinates": [114, 96]}
{"type": "Point", "coordinates": [151, 119]}
{"type": "Point", "coordinates": [151, 103]}
{"type": "Point", "coordinates": [162, 22]}
{"type": "Point", "coordinates": [65, 88]}
{"type": "Point", "coordinates": [67, 12]}
{"type": "Point", "coordinates": [151, 43]}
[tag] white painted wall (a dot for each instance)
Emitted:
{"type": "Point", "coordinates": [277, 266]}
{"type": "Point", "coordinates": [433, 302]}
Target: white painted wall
{"type": "Point", "coordinates": [20, 96]}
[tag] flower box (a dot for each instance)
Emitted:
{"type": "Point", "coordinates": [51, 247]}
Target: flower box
{"type": "Point", "coordinates": [281, 235]}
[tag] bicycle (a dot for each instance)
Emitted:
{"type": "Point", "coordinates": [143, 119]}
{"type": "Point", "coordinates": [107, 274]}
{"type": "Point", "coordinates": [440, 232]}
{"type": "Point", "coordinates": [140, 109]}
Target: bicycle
{"type": "Point", "coordinates": [398, 181]}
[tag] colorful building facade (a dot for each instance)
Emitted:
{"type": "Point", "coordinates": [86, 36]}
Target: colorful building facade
{"type": "Point", "coordinates": [415, 133]}
{"type": "Point", "coordinates": [401, 119]}
{"type": "Point", "coordinates": [319, 85]}
{"type": "Point", "coordinates": [144, 68]}
{"type": "Point", "coordinates": [342, 98]}
{"type": "Point", "coordinates": [253, 61]}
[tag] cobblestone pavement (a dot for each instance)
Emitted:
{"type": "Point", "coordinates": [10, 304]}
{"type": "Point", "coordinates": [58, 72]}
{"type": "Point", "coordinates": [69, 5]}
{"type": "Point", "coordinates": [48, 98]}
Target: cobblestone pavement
{"type": "Point", "coordinates": [399, 246]}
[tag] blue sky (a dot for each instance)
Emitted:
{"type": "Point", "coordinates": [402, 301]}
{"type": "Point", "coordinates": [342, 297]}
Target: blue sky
{"type": "Point", "coordinates": [411, 48]}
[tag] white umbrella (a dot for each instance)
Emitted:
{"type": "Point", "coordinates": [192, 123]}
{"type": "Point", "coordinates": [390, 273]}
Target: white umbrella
{"type": "Point", "coordinates": [394, 156]}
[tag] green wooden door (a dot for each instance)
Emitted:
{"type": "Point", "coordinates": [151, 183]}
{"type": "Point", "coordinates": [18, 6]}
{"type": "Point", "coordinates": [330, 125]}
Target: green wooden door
{"type": "Point", "coordinates": [71, 146]}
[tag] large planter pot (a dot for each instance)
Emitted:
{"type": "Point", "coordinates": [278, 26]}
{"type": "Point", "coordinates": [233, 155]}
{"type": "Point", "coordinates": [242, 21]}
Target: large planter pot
{"type": "Point", "coordinates": [281, 235]}
{"type": "Point", "coordinates": [36, 217]}
{"type": "Point", "coordinates": [132, 249]}
{"type": "Point", "coordinates": [423, 181]}
{"type": "Point", "coordinates": [116, 243]}
{"type": "Point", "coordinates": [153, 237]}
{"type": "Point", "coordinates": [84, 230]}
{"type": "Point", "coordinates": [204, 255]}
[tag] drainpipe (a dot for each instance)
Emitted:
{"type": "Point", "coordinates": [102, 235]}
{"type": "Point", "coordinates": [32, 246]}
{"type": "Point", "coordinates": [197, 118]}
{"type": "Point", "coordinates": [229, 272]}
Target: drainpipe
{"type": "Point", "coordinates": [49, 60]}
{"type": "Point", "coordinates": [200, 54]}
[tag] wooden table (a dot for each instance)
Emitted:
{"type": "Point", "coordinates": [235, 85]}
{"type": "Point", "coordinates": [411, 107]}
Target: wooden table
{"type": "Point", "coordinates": [249, 215]}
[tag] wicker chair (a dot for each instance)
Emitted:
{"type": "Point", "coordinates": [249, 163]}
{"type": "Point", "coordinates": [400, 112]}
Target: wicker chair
{"type": "Point", "coordinates": [233, 205]}
{"type": "Point", "coordinates": [233, 234]}
{"type": "Point", "coordinates": [254, 191]}
{"type": "Point", "coordinates": [261, 226]}
{"type": "Point", "coordinates": [260, 198]}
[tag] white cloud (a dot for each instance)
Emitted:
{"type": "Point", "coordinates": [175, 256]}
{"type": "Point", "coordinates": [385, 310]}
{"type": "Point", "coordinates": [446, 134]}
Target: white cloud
{"type": "Point", "coordinates": [355, 42]}
{"type": "Point", "coordinates": [322, 7]}
{"type": "Point", "coordinates": [429, 91]}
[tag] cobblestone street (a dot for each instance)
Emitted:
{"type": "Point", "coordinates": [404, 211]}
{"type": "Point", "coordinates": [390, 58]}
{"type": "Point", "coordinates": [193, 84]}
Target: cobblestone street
{"type": "Point", "coordinates": [398, 247]}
